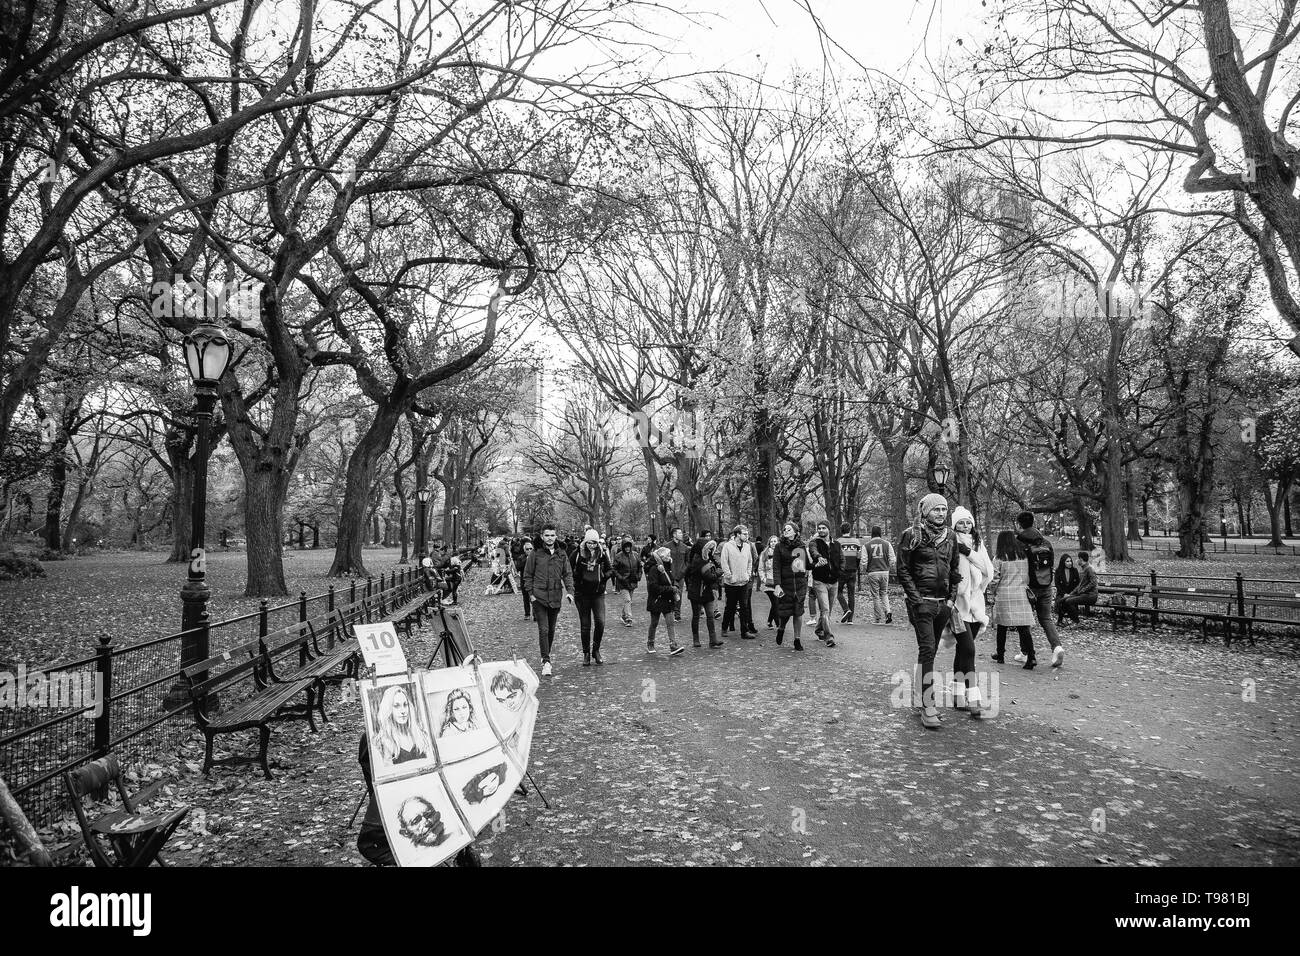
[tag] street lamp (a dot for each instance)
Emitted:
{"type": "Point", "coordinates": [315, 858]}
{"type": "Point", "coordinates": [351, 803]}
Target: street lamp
{"type": "Point", "coordinates": [422, 497]}
{"type": "Point", "coordinates": [455, 528]}
{"type": "Point", "coordinates": [718, 506]}
{"type": "Point", "coordinates": [940, 475]}
{"type": "Point", "coordinates": [207, 353]}
{"type": "Point", "coordinates": [652, 524]}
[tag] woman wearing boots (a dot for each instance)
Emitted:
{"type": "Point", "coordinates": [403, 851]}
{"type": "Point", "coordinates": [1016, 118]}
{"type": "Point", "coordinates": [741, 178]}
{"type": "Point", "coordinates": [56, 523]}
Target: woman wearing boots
{"type": "Point", "coordinates": [1007, 593]}
{"type": "Point", "coordinates": [976, 572]}
{"type": "Point", "coordinates": [791, 582]}
{"type": "Point", "coordinates": [1067, 579]}
{"type": "Point", "coordinates": [767, 577]}
{"type": "Point", "coordinates": [662, 599]}
{"type": "Point", "coordinates": [702, 569]}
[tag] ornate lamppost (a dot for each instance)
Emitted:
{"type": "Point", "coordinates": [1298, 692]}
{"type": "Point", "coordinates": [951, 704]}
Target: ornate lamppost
{"type": "Point", "coordinates": [422, 500]}
{"type": "Point", "coordinates": [207, 353]}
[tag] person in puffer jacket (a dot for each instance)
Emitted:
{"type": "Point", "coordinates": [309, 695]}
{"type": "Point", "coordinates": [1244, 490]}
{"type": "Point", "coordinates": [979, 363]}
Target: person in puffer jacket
{"type": "Point", "coordinates": [929, 572]}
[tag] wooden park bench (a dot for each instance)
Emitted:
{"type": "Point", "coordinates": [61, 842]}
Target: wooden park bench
{"type": "Point", "coordinates": [125, 837]}
{"type": "Point", "coordinates": [271, 699]}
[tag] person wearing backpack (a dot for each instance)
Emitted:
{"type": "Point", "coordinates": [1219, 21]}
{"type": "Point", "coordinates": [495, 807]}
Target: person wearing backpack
{"type": "Point", "coordinates": [1040, 557]}
{"type": "Point", "coordinates": [702, 573]}
{"type": "Point", "coordinates": [929, 571]}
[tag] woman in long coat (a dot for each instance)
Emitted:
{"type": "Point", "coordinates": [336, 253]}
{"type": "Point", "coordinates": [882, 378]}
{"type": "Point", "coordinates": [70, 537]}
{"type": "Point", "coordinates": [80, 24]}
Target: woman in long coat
{"type": "Point", "coordinates": [791, 576]}
{"type": "Point", "coordinates": [1007, 593]}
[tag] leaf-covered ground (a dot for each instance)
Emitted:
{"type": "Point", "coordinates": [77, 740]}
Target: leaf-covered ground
{"type": "Point", "coordinates": [1146, 749]}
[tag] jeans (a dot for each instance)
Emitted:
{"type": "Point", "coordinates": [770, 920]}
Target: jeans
{"type": "Point", "coordinates": [1042, 602]}
{"type": "Point", "coordinates": [705, 607]}
{"type": "Point", "coordinates": [847, 592]}
{"type": "Point", "coordinates": [680, 584]}
{"type": "Point", "coordinates": [963, 662]}
{"type": "Point", "coordinates": [626, 595]}
{"type": "Point", "coordinates": [591, 607]}
{"type": "Point", "coordinates": [667, 617]}
{"type": "Point", "coordinates": [772, 615]}
{"type": "Point", "coordinates": [928, 620]}
{"type": "Point", "coordinates": [1069, 605]}
{"type": "Point", "coordinates": [878, 588]}
{"type": "Point", "coordinates": [737, 599]}
{"type": "Point", "coordinates": [821, 590]}
{"type": "Point", "coordinates": [528, 602]}
{"type": "Point", "coordinates": [1026, 644]}
{"type": "Point", "coordinates": [545, 616]}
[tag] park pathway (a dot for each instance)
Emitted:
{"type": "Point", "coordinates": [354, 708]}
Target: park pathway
{"type": "Point", "coordinates": [1141, 750]}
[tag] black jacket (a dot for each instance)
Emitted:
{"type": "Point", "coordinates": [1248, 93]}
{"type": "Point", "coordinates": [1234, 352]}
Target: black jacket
{"type": "Point", "coordinates": [1028, 537]}
{"type": "Point", "coordinates": [662, 595]}
{"type": "Point", "coordinates": [828, 573]}
{"type": "Point", "coordinates": [591, 574]}
{"type": "Point", "coordinates": [793, 584]}
{"type": "Point", "coordinates": [697, 589]}
{"type": "Point", "coordinates": [928, 563]}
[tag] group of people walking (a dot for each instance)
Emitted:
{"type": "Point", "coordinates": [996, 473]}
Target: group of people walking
{"type": "Point", "coordinates": [952, 586]}
{"type": "Point", "coordinates": [716, 579]}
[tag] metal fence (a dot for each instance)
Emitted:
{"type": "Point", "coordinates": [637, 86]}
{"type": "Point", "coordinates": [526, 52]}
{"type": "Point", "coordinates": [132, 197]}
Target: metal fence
{"type": "Point", "coordinates": [1216, 546]}
{"type": "Point", "coordinates": [145, 710]}
{"type": "Point", "coordinates": [1268, 600]}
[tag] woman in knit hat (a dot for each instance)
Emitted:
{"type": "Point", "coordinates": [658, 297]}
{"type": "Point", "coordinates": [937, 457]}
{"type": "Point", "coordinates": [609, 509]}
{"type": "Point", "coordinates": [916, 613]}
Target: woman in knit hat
{"type": "Point", "coordinates": [662, 599]}
{"type": "Point", "coordinates": [976, 572]}
{"type": "Point", "coordinates": [591, 573]}
{"type": "Point", "coordinates": [791, 582]}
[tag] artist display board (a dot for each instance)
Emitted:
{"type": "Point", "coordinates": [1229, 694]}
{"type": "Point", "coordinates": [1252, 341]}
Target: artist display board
{"type": "Point", "coordinates": [447, 749]}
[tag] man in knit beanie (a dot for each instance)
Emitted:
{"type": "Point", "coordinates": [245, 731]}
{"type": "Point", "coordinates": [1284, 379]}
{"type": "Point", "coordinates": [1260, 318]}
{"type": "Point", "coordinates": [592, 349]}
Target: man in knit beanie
{"type": "Point", "coordinates": [929, 572]}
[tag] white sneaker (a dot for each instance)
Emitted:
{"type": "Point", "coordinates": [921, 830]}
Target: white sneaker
{"type": "Point", "coordinates": [546, 668]}
{"type": "Point", "coordinates": [1058, 656]}
{"type": "Point", "coordinates": [1019, 658]}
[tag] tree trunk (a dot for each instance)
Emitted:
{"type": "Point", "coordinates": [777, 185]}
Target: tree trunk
{"type": "Point", "coordinates": [899, 509]}
{"type": "Point", "coordinates": [264, 495]}
{"type": "Point", "coordinates": [74, 513]}
{"type": "Point", "coordinates": [359, 477]}
{"type": "Point", "coordinates": [1274, 505]}
{"type": "Point", "coordinates": [53, 531]}
{"type": "Point", "coordinates": [765, 434]}
{"type": "Point", "coordinates": [1086, 540]}
{"type": "Point", "coordinates": [182, 469]}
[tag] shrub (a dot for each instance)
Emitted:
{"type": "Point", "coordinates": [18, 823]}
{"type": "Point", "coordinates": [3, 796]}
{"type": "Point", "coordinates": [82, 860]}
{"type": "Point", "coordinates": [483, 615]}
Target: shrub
{"type": "Point", "coordinates": [14, 567]}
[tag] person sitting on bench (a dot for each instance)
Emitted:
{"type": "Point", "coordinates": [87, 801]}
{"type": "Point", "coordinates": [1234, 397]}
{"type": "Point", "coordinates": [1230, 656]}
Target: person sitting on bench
{"type": "Point", "coordinates": [1085, 592]}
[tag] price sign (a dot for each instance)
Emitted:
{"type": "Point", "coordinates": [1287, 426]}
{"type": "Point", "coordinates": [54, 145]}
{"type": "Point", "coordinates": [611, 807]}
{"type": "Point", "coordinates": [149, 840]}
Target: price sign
{"type": "Point", "coordinates": [381, 648]}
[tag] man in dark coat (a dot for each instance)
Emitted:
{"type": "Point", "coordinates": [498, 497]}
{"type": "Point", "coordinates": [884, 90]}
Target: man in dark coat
{"type": "Point", "coordinates": [929, 572]}
{"type": "Point", "coordinates": [548, 577]}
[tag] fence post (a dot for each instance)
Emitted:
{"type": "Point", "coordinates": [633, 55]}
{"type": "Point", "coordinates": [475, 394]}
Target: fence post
{"type": "Point", "coordinates": [302, 606]}
{"type": "Point", "coordinates": [104, 673]}
{"type": "Point", "coordinates": [1241, 596]}
{"type": "Point", "coordinates": [1155, 601]}
{"type": "Point", "coordinates": [370, 583]}
{"type": "Point", "coordinates": [352, 592]}
{"type": "Point", "coordinates": [331, 597]}
{"type": "Point", "coordinates": [261, 618]}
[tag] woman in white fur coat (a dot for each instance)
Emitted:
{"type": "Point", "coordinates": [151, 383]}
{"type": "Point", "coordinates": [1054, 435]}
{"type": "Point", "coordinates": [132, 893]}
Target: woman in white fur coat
{"type": "Point", "coordinates": [976, 573]}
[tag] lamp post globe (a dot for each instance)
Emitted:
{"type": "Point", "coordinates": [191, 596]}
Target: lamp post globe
{"type": "Point", "coordinates": [455, 528]}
